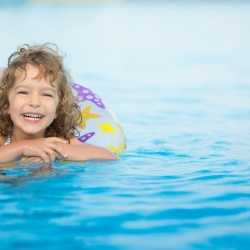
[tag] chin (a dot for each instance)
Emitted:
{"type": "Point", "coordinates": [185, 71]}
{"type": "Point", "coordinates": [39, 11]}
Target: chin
{"type": "Point", "coordinates": [31, 132]}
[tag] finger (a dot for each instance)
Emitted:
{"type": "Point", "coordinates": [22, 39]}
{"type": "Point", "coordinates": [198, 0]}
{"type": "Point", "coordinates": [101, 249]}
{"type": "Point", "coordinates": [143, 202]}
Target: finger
{"type": "Point", "coordinates": [26, 160]}
{"type": "Point", "coordinates": [23, 160]}
{"type": "Point", "coordinates": [36, 160]}
{"type": "Point", "coordinates": [61, 154]}
{"type": "Point", "coordinates": [51, 153]}
{"type": "Point", "coordinates": [44, 156]}
{"type": "Point", "coordinates": [56, 139]}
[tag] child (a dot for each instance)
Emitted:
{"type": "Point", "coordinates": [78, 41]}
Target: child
{"type": "Point", "coordinates": [38, 112]}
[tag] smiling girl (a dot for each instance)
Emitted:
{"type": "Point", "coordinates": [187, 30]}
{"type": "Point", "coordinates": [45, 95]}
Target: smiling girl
{"type": "Point", "coordinates": [38, 113]}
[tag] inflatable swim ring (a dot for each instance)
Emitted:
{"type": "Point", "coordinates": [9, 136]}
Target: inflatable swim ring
{"type": "Point", "coordinates": [99, 127]}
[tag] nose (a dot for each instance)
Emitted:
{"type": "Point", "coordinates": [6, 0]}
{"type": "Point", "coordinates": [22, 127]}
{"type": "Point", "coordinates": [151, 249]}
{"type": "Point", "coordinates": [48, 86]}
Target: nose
{"type": "Point", "coordinates": [35, 100]}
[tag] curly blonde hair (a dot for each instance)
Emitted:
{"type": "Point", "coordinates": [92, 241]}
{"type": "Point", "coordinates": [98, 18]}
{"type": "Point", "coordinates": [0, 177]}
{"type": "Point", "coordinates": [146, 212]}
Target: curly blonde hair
{"type": "Point", "coordinates": [50, 65]}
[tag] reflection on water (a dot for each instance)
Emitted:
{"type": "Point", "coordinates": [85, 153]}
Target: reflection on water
{"type": "Point", "coordinates": [20, 174]}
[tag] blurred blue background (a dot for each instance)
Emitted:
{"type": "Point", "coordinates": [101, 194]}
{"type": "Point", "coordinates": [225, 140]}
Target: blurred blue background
{"type": "Point", "coordinates": [179, 44]}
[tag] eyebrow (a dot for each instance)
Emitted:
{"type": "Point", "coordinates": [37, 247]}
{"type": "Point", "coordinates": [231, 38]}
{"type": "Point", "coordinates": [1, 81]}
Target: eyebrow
{"type": "Point", "coordinates": [49, 89]}
{"type": "Point", "coordinates": [20, 86]}
{"type": "Point", "coordinates": [43, 89]}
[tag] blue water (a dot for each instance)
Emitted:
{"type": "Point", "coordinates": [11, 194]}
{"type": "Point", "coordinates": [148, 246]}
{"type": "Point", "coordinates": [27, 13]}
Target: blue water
{"type": "Point", "coordinates": [177, 76]}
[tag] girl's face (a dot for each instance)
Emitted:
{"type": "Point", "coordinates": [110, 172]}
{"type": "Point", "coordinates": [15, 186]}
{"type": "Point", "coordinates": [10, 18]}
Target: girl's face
{"type": "Point", "coordinates": [32, 104]}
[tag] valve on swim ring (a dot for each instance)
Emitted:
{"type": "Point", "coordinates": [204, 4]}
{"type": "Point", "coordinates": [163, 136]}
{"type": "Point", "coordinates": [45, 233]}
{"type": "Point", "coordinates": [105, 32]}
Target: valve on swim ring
{"type": "Point", "coordinates": [99, 127]}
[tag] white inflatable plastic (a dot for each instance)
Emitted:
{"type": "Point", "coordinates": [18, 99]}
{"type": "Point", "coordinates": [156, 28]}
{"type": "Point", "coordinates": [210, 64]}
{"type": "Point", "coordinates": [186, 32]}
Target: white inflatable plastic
{"type": "Point", "coordinates": [99, 126]}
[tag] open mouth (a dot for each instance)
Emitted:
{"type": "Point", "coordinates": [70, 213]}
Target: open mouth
{"type": "Point", "coordinates": [33, 116]}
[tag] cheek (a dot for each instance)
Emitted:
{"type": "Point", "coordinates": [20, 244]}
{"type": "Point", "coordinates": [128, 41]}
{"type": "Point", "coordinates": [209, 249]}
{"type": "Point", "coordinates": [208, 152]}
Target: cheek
{"type": "Point", "coordinates": [15, 104]}
{"type": "Point", "coordinates": [53, 106]}
{"type": "Point", "coordinates": [11, 107]}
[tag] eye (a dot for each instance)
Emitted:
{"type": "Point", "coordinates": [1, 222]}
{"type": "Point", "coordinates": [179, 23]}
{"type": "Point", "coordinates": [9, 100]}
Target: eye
{"type": "Point", "coordinates": [22, 92]}
{"type": "Point", "coordinates": [47, 94]}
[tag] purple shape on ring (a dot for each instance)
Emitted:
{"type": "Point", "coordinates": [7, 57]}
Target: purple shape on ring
{"type": "Point", "coordinates": [84, 93]}
{"type": "Point", "coordinates": [86, 137]}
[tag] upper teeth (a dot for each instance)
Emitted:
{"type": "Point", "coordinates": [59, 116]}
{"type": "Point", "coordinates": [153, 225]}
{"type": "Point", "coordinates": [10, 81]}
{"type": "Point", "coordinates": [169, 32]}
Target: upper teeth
{"type": "Point", "coordinates": [31, 115]}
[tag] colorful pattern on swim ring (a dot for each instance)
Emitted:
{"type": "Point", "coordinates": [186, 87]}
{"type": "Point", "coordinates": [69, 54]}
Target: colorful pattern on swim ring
{"type": "Point", "coordinates": [99, 127]}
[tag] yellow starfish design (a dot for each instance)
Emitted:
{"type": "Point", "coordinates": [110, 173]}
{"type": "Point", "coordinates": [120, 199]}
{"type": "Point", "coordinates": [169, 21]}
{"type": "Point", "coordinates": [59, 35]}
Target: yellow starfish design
{"type": "Point", "coordinates": [117, 149]}
{"type": "Point", "coordinates": [86, 115]}
{"type": "Point", "coordinates": [107, 128]}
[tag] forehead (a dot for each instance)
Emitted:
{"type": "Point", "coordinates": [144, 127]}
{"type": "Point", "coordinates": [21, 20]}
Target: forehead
{"type": "Point", "coordinates": [31, 75]}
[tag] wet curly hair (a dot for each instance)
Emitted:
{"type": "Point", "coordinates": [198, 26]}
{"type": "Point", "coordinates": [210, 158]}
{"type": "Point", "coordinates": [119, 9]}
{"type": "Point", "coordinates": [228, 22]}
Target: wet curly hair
{"type": "Point", "coordinates": [50, 65]}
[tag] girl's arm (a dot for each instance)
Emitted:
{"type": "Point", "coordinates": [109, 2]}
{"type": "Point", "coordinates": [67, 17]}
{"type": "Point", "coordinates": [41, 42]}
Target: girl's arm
{"type": "Point", "coordinates": [77, 151]}
{"type": "Point", "coordinates": [7, 155]}
{"type": "Point", "coordinates": [45, 148]}
{"type": "Point", "coordinates": [11, 152]}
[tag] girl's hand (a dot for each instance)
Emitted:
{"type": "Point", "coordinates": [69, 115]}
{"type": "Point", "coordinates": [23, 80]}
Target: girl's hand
{"type": "Point", "coordinates": [44, 148]}
{"type": "Point", "coordinates": [31, 159]}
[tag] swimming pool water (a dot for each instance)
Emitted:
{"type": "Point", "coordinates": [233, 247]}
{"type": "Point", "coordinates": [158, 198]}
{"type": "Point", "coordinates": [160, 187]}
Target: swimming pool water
{"type": "Point", "coordinates": [177, 75]}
